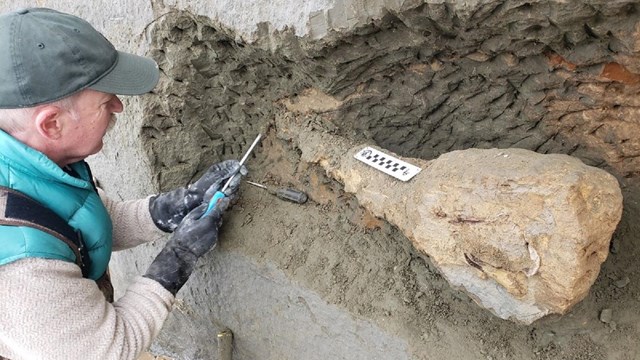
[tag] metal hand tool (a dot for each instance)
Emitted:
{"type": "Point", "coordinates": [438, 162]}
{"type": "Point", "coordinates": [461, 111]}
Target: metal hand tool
{"type": "Point", "coordinates": [220, 193]}
{"type": "Point", "coordinates": [288, 194]}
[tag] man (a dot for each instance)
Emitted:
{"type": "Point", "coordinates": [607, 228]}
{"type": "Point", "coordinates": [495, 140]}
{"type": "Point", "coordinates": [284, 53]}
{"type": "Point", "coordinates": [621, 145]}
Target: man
{"type": "Point", "coordinates": [59, 80]}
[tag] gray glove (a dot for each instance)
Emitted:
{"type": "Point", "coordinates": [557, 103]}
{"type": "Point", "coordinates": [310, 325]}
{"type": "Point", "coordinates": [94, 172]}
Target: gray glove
{"type": "Point", "coordinates": [194, 237]}
{"type": "Point", "coordinates": [168, 209]}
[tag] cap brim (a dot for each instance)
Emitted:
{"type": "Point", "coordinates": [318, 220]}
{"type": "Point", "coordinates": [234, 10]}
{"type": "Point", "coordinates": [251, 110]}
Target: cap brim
{"type": "Point", "coordinates": [132, 75]}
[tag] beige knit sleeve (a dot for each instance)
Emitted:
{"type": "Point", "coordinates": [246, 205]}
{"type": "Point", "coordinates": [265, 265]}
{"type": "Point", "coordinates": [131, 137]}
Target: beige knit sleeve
{"type": "Point", "coordinates": [49, 311]}
{"type": "Point", "coordinates": [132, 223]}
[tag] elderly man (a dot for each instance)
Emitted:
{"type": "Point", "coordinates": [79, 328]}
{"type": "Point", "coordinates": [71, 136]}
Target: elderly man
{"type": "Point", "coordinates": [59, 81]}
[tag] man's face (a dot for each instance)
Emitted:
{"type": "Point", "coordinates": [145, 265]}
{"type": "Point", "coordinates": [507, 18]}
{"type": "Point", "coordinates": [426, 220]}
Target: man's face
{"type": "Point", "coordinates": [88, 122]}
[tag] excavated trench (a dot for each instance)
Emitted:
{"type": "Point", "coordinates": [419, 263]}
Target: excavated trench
{"type": "Point", "coordinates": [553, 78]}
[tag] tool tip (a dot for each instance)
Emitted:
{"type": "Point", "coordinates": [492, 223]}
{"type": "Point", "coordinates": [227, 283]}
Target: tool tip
{"type": "Point", "coordinates": [256, 184]}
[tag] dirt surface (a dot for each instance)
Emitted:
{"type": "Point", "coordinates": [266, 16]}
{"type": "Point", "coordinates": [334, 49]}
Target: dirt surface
{"type": "Point", "coordinates": [546, 76]}
{"type": "Point", "coordinates": [334, 247]}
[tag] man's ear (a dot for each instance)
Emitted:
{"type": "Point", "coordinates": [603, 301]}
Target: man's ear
{"type": "Point", "coordinates": [49, 122]}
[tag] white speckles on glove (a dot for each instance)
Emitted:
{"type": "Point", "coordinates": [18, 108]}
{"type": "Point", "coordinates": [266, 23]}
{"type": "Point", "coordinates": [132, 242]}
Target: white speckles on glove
{"type": "Point", "coordinates": [168, 209]}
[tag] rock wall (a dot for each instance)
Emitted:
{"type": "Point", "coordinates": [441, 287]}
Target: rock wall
{"type": "Point", "coordinates": [545, 76]}
{"type": "Point", "coordinates": [420, 78]}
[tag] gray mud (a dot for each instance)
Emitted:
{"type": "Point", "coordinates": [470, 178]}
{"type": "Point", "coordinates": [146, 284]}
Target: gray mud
{"type": "Point", "coordinates": [545, 76]}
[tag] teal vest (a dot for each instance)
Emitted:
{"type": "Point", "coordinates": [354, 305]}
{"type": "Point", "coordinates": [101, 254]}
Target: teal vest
{"type": "Point", "coordinates": [74, 200]}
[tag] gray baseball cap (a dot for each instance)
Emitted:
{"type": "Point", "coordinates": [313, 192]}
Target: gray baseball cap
{"type": "Point", "coordinates": [47, 55]}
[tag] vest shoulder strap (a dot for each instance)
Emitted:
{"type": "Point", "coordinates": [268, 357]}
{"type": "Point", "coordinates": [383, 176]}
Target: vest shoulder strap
{"type": "Point", "coordinates": [18, 209]}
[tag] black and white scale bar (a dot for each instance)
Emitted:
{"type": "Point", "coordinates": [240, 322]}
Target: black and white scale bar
{"type": "Point", "coordinates": [388, 164]}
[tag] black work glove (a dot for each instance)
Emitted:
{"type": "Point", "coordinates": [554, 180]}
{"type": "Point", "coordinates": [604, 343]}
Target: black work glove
{"type": "Point", "coordinates": [168, 209]}
{"type": "Point", "coordinates": [194, 237]}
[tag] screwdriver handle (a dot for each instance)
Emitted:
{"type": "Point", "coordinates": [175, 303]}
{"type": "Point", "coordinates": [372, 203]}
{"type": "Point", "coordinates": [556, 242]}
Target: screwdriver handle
{"type": "Point", "coordinates": [213, 202]}
{"type": "Point", "coordinates": [220, 193]}
{"type": "Point", "coordinates": [292, 195]}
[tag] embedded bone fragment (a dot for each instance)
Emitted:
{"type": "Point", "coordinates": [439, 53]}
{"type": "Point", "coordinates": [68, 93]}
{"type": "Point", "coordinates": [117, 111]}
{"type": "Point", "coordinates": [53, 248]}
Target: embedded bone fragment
{"type": "Point", "coordinates": [524, 234]}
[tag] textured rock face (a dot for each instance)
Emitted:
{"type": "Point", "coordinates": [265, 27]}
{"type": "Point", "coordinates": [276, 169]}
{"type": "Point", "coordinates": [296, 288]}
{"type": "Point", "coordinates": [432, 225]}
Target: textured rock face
{"type": "Point", "coordinates": [523, 233]}
{"type": "Point", "coordinates": [422, 78]}
{"type": "Point", "coordinates": [427, 78]}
